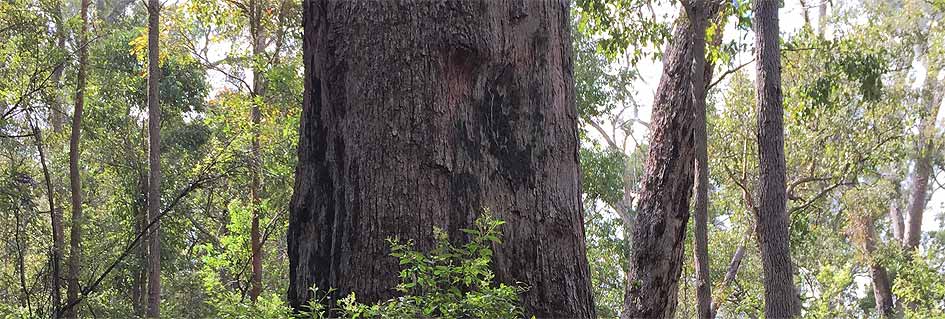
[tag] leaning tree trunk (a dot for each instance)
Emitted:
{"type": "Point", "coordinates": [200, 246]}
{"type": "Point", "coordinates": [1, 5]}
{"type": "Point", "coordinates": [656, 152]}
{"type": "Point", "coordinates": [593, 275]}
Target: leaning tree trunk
{"type": "Point", "coordinates": [421, 114]}
{"type": "Point", "coordinates": [154, 160]}
{"type": "Point", "coordinates": [663, 210]}
{"type": "Point", "coordinates": [75, 182]}
{"type": "Point", "coordinates": [781, 298]}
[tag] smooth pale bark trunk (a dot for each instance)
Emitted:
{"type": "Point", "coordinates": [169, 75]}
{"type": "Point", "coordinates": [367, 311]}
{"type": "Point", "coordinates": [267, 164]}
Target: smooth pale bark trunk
{"type": "Point", "coordinates": [781, 297]}
{"type": "Point", "coordinates": [154, 160]}
{"type": "Point", "coordinates": [697, 13]}
{"type": "Point", "coordinates": [923, 164]}
{"type": "Point", "coordinates": [421, 114]}
{"type": "Point", "coordinates": [258, 39]}
{"type": "Point", "coordinates": [663, 209]}
{"type": "Point", "coordinates": [75, 182]}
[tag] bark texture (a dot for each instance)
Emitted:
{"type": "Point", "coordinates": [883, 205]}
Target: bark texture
{"type": "Point", "coordinates": [781, 297]}
{"type": "Point", "coordinates": [697, 13]}
{"type": "Point", "coordinates": [419, 114]}
{"type": "Point", "coordinates": [663, 209]}
{"type": "Point", "coordinates": [154, 160]}
{"type": "Point", "coordinates": [75, 182]}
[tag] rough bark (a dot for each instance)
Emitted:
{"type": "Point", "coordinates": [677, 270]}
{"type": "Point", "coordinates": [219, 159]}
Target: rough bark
{"type": "Point", "coordinates": [697, 13]}
{"type": "Point", "coordinates": [781, 297]}
{"type": "Point", "coordinates": [421, 114]}
{"type": "Point", "coordinates": [259, 45]}
{"type": "Point", "coordinates": [663, 209]}
{"type": "Point", "coordinates": [154, 160]}
{"type": "Point", "coordinates": [75, 183]}
{"type": "Point", "coordinates": [923, 164]}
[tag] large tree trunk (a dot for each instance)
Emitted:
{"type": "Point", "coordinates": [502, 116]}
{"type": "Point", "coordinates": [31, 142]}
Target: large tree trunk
{"type": "Point", "coordinates": [663, 209]}
{"type": "Point", "coordinates": [421, 114]}
{"type": "Point", "coordinates": [75, 183]}
{"type": "Point", "coordinates": [923, 164]}
{"type": "Point", "coordinates": [154, 160]}
{"type": "Point", "coordinates": [259, 45]}
{"type": "Point", "coordinates": [781, 298]}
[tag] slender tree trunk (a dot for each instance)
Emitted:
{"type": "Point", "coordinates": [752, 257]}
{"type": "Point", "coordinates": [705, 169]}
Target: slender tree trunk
{"type": "Point", "coordinates": [55, 254]}
{"type": "Point", "coordinates": [139, 290]}
{"type": "Point", "coordinates": [75, 182]}
{"type": "Point", "coordinates": [421, 114]}
{"type": "Point", "coordinates": [257, 93]}
{"type": "Point", "coordinates": [923, 164]}
{"type": "Point", "coordinates": [55, 114]}
{"type": "Point", "coordinates": [732, 271]}
{"type": "Point", "coordinates": [154, 159]}
{"type": "Point", "coordinates": [781, 297]}
{"type": "Point", "coordinates": [696, 12]}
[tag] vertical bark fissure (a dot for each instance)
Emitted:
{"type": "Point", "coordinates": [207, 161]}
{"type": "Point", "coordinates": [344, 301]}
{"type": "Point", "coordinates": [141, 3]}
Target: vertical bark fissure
{"type": "Point", "coordinates": [154, 160]}
{"type": "Point", "coordinates": [420, 114]}
{"type": "Point", "coordinates": [75, 183]}
{"type": "Point", "coordinates": [781, 297]}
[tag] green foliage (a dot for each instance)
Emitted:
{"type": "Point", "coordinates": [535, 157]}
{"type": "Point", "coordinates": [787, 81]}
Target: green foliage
{"type": "Point", "coordinates": [920, 287]}
{"type": "Point", "coordinates": [447, 282]}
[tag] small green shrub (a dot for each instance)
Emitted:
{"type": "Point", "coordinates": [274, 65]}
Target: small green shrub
{"type": "Point", "coordinates": [447, 282]}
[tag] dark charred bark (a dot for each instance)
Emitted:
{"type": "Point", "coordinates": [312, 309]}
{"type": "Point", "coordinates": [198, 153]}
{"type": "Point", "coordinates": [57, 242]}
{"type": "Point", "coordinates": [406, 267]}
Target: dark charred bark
{"type": "Point", "coordinates": [663, 209]}
{"type": "Point", "coordinates": [781, 298]}
{"type": "Point", "coordinates": [421, 114]}
{"type": "Point", "coordinates": [154, 160]}
{"type": "Point", "coordinates": [75, 182]}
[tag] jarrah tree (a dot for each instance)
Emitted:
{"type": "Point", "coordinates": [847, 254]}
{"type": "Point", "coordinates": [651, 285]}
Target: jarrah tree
{"type": "Point", "coordinates": [420, 114]}
{"type": "Point", "coordinates": [781, 298]}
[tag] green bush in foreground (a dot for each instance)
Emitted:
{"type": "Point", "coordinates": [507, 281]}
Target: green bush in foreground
{"type": "Point", "coordinates": [447, 282]}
